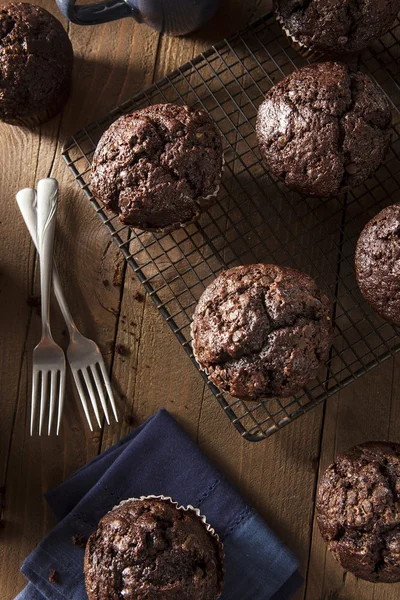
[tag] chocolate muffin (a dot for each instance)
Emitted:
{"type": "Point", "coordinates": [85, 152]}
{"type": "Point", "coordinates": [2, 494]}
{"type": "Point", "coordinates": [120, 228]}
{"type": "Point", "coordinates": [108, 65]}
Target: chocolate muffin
{"type": "Point", "coordinates": [324, 129]}
{"type": "Point", "coordinates": [150, 548]}
{"type": "Point", "coordinates": [159, 167]}
{"type": "Point", "coordinates": [358, 510]}
{"type": "Point", "coordinates": [36, 61]}
{"type": "Point", "coordinates": [336, 25]}
{"type": "Point", "coordinates": [261, 330]}
{"type": "Point", "coordinates": [377, 263]}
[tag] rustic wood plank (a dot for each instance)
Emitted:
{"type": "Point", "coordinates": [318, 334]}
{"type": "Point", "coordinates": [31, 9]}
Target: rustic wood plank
{"type": "Point", "coordinates": [104, 74]}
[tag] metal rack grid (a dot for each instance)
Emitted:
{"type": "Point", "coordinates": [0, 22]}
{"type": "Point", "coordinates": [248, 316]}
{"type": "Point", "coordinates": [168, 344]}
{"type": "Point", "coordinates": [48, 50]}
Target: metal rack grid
{"type": "Point", "coordinates": [256, 218]}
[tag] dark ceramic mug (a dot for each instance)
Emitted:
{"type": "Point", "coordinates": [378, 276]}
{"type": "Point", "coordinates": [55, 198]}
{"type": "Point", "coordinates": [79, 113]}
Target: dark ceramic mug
{"type": "Point", "coordinates": [175, 17]}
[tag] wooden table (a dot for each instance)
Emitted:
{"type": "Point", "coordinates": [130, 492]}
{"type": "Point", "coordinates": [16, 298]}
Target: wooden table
{"type": "Point", "coordinates": [278, 476]}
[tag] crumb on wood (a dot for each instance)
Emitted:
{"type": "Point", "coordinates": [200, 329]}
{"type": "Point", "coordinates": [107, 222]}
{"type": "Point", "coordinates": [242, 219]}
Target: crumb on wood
{"type": "Point", "coordinates": [130, 420]}
{"type": "Point", "coordinates": [79, 540]}
{"type": "Point", "coordinates": [138, 297]}
{"type": "Point", "coordinates": [106, 283]}
{"type": "Point", "coordinates": [121, 349]}
{"type": "Point", "coordinates": [53, 576]}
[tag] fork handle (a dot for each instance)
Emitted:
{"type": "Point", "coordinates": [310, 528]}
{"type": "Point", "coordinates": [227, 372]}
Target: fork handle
{"type": "Point", "coordinates": [46, 224]}
{"type": "Point", "coordinates": [26, 199]}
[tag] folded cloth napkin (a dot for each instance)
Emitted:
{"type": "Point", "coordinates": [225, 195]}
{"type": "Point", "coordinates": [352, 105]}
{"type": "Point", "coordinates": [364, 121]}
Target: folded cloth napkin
{"type": "Point", "coordinates": [158, 458]}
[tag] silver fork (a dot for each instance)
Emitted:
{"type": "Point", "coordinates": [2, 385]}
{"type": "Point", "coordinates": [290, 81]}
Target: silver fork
{"type": "Point", "coordinates": [83, 355]}
{"type": "Point", "coordinates": [48, 357]}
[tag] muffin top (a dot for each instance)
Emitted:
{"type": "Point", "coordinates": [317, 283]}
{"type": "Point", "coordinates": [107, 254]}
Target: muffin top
{"type": "Point", "coordinates": [377, 263]}
{"type": "Point", "coordinates": [358, 510]}
{"type": "Point", "coordinates": [151, 549]}
{"type": "Point", "coordinates": [158, 166]}
{"type": "Point", "coordinates": [261, 330]}
{"type": "Point", "coordinates": [35, 61]}
{"type": "Point", "coordinates": [324, 129]}
{"type": "Point", "coordinates": [336, 25]}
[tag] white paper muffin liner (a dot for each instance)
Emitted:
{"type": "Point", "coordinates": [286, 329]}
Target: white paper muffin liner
{"type": "Point", "coordinates": [189, 508]}
{"type": "Point", "coordinates": [195, 355]}
{"type": "Point", "coordinates": [301, 48]}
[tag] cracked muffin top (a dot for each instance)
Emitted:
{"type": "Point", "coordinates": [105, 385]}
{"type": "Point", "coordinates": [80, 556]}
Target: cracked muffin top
{"type": "Point", "coordinates": [324, 129]}
{"type": "Point", "coordinates": [336, 25]}
{"type": "Point", "coordinates": [36, 61]}
{"type": "Point", "coordinates": [149, 548]}
{"type": "Point", "coordinates": [159, 167]}
{"type": "Point", "coordinates": [358, 510]}
{"type": "Point", "coordinates": [377, 263]}
{"type": "Point", "coordinates": [261, 330]}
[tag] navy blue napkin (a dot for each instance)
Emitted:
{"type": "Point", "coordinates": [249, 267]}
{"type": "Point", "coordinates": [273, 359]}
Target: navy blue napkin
{"type": "Point", "coordinates": [159, 458]}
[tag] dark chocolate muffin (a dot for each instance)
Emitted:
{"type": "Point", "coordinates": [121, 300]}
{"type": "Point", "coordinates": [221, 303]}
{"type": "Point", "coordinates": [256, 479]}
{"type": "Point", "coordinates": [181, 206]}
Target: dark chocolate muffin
{"type": "Point", "coordinates": [324, 129]}
{"type": "Point", "coordinates": [261, 330]}
{"type": "Point", "coordinates": [149, 548]}
{"type": "Point", "coordinates": [336, 25]}
{"type": "Point", "coordinates": [358, 510]}
{"type": "Point", "coordinates": [36, 61]}
{"type": "Point", "coordinates": [377, 263]}
{"type": "Point", "coordinates": [159, 167]}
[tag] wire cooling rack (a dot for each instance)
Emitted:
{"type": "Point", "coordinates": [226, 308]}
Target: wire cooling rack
{"type": "Point", "coordinates": [256, 218]}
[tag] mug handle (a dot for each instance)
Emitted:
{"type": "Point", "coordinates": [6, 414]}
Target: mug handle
{"type": "Point", "coordinates": [94, 14]}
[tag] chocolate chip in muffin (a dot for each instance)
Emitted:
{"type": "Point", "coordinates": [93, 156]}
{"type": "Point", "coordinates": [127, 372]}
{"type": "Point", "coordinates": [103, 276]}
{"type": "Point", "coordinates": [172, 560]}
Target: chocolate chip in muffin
{"type": "Point", "coordinates": [358, 510]}
{"type": "Point", "coordinates": [261, 330]}
{"type": "Point", "coordinates": [151, 549]}
{"type": "Point", "coordinates": [36, 61]}
{"type": "Point", "coordinates": [324, 129]}
{"type": "Point", "coordinates": [377, 263]}
{"type": "Point", "coordinates": [158, 168]}
{"type": "Point", "coordinates": [336, 25]}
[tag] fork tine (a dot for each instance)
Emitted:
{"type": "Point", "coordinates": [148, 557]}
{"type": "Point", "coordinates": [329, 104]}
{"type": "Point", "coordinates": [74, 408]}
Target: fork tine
{"type": "Point", "coordinates": [35, 377]}
{"type": "Point", "coordinates": [100, 391]}
{"type": "Point", "coordinates": [43, 398]}
{"type": "Point", "coordinates": [82, 396]}
{"type": "Point", "coordinates": [91, 395]}
{"type": "Point", "coordinates": [61, 398]}
{"type": "Point", "coordinates": [108, 387]}
{"type": "Point", "coordinates": [53, 386]}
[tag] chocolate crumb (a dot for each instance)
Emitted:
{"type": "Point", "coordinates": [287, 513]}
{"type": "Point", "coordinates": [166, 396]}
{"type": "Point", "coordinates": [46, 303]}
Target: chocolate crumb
{"type": "Point", "coordinates": [121, 349]}
{"type": "Point", "coordinates": [106, 283]}
{"type": "Point", "coordinates": [79, 540]}
{"type": "Point", "coordinates": [53, 576]}
{"type": "Point", "coordinates": [129, 420]}
{"type": "Point", "coordinates": [138, 297]}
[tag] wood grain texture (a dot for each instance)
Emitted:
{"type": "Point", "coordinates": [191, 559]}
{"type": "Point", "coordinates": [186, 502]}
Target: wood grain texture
{"type": "Point", "coordinates": [149, 369]}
